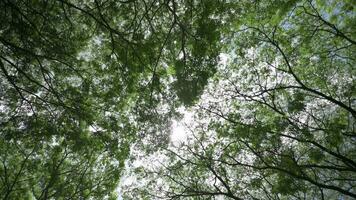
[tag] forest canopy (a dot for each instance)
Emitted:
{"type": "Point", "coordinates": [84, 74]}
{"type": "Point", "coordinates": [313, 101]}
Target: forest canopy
{"type": "Point", "coordinates": [91, 91]}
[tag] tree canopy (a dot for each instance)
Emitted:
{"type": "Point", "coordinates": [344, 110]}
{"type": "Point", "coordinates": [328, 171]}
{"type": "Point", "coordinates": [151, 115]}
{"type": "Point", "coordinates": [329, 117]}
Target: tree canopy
{"type": "Point", "coordinates": [89, 91]}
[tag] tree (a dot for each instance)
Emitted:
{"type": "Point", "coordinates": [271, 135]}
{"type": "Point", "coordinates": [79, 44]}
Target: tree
{"type": "Point", "coordinates": [82, 81]}
{"type": "Point", "coordinates": [276, 122]}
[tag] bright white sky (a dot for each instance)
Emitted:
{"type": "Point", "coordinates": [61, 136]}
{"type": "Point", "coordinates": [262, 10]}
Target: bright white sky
{"type": "Point", "coordinates": [178, 132]}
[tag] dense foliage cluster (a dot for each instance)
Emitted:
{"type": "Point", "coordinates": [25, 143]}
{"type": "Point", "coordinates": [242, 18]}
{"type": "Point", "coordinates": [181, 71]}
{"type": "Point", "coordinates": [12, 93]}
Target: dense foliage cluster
{"type": "Point", "coordinates": [89, 89]}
